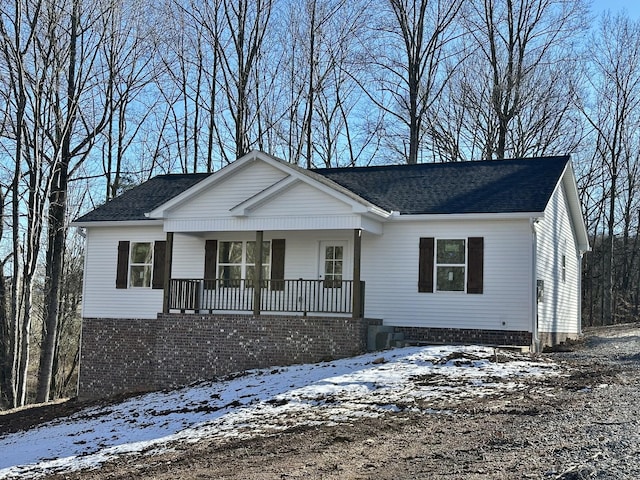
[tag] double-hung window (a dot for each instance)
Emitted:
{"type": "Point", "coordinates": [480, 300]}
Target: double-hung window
{"type": "Point", "coordinates": [237, 261]}
{"type": "Point", "coordinates": [140, 264]}
{"type": "Point", "coordinates": [451, 263]}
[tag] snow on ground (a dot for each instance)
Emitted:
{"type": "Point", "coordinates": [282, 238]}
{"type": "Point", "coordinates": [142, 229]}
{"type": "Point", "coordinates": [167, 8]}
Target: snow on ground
{"type": "Point", "coordinates": [262, 402]}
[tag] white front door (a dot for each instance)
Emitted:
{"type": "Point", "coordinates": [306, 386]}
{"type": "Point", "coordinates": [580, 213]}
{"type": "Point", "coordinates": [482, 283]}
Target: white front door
{"type": "Point", "coordinates": [333, 262]}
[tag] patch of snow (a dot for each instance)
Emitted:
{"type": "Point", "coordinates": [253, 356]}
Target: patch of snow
{"type": "Point", "coordinates": [262, 402]}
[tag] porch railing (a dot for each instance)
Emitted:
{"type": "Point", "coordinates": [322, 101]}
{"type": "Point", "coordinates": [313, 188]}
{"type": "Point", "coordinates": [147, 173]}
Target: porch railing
{"type": "Point", "coordinates": [298, 296]}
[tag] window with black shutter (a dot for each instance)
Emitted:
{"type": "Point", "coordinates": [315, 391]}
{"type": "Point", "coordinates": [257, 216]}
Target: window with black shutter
{"type": "Point", "coordinates": [445, 263]}
{"type": "Point", "coordinates": [141, 264]}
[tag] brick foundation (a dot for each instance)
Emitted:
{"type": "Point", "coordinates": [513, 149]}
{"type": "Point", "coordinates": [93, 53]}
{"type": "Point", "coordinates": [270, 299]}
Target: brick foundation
{"type": "Point", "coordinates": [462, 335]}
{"type": "Point", "coordinates": [131, 355]}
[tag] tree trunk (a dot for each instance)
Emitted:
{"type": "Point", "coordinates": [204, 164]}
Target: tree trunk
{"type": "Point", "coordinates": [56, 232]}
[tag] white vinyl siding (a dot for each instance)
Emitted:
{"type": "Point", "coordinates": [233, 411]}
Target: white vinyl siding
{"type": "Point", "coordinates": [101, 299]}
{"type": "Point", "coordinates": [229, 192]}
{"type": "Point", "coordinates": [188, 256]}
{"type": "Point", "coordinates": [390, 270]}
{"type": "Point", "coordinates": [558, 312]}
{"type": "Point", "coordinates": [302, 200]}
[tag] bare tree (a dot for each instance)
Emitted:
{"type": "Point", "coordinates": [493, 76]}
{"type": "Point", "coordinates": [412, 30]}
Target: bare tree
{"type": "Point", "coordinates": [19, 24]}
{"type": "Point", "coordinates": [409, 66]}
{"type": "Point", "coordinates": [514, 94]}
{"type": "Point", "coordinates": [326, 119]}
{"type": "Point", "coordinates": [245, 25]}
{"type": "Point", "coordinates": [127, 53]}
{"type": "Point", "coordinates": [7, 328]}
{"type": "Point", "coordinates": [77, 34]}
{"type": "Point", "coordinates": [613, 111]}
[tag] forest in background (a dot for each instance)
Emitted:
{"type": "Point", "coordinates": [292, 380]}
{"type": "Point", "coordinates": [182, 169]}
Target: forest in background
{"type": "Point", "coordinates": [97, 96]}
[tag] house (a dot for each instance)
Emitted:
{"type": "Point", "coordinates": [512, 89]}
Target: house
{"type": "Point", "coordinates": [190, 276]}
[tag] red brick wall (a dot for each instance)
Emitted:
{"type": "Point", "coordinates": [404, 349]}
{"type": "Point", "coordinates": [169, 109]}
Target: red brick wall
{"type": "Point", "coordinates": [128, 355]}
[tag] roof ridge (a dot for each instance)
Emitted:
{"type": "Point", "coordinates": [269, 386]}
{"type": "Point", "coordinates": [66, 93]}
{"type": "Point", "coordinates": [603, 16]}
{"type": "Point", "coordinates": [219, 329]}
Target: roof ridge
{"type": "Point", "coordinates": [441, 164]}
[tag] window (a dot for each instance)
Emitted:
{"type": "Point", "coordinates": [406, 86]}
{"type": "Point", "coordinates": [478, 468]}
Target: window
{"type": "Point", "coordinates": [141, 264]}
{"type": "Point", "coordinates": [237, 260]}
{"type": "Point", "coordinates": [450, 265]}
{"type": "Point", "coordinates": [564, 268]}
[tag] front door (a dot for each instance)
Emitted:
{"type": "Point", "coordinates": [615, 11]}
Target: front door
{"type": "Point", "coordinates": [334, 290]}
{"type": "Point", "coordinates": [332, 267]}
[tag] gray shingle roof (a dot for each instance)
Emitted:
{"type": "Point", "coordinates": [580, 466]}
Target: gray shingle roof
{"type": "Point", "coordinates": [134, 203]}
{"type": "Point", "coordinates": [495, 186]}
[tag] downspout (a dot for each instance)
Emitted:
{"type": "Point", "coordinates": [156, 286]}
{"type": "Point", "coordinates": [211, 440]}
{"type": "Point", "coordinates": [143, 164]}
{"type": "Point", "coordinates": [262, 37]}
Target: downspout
{"type": "Point", "coordinates": [580, 255]}
{"type": "Point", "coordinates": [535, 339]}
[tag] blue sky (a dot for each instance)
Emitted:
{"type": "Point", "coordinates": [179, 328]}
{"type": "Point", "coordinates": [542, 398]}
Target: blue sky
{"type": "Point", "coordinates": [632, 7]}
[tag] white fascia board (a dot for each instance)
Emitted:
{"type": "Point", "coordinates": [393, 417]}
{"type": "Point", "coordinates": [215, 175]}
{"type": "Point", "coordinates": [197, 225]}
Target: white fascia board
{"type": "Point", "coordinates": [119, 223]}
{"type": "Point", "coordinates": [244, 207]}
{"type": "Point", "coordinates": [397, 217]}
{"type": "Point", "coordinates": [575, 208]}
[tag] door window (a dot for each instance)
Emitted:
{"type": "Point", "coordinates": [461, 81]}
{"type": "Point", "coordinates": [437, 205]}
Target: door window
{"type": "Point", "coordinates": [333, 264]}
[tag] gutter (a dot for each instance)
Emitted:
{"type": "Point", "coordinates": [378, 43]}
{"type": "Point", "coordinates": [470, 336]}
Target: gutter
{"type": "Point", "coordinates": [535, 339]}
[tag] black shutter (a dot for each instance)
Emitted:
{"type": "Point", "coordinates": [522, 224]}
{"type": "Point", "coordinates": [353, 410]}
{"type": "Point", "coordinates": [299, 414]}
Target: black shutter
{"type": "Point", "coordinates": [210, 263]}
{"type": "Point", "coordinates": [159, 255]}
{"type": "Point", "coordinates": [425, 265]}
{"type": "Point", "coordinates": [277, 264]}
{"type": "Point", "coordinates": [122, 268]}
{"type": "Point", "coordinates": [476, 265]}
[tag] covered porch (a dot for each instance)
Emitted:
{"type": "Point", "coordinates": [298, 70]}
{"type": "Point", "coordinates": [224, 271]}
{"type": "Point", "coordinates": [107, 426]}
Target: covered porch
{"type": "Point", "coordinates": [260, 286]}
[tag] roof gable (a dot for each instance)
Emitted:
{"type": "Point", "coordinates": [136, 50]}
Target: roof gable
{"type": "Point", "coordinates": [219, 194]}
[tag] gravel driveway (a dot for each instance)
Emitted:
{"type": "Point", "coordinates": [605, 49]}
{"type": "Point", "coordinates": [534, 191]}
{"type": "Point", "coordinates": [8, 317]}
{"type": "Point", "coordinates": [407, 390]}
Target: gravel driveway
{"type": "Point", "coordinates": [601, 424]}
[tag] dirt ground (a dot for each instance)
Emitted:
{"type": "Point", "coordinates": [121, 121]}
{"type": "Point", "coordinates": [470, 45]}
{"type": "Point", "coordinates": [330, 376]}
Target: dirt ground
{"type": "Point", "coordinates": [584, 425]}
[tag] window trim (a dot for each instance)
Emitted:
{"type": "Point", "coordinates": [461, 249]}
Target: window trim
{"type": "Point", "coordinates": [157, 264]}
{"type": "Point", "coordinates": [145, 265]}
{"type": "Point", "coordinates": [474, 263]}
{"type": "Point", "coordinates": [266, 267]}
{"type": "Point", "coordinates": [464, 265]}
